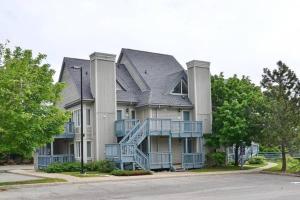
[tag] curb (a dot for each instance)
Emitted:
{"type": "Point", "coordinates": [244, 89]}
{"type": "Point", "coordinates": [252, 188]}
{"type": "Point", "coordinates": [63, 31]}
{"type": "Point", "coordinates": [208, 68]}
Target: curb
{"type": "Point", "coordinates": [280, 174]}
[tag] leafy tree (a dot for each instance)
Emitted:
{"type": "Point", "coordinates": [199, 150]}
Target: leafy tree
{"type": "Point", "coordinates": [236, 107]}
{"type": "Point", "coordinates": [282, 121]}
{"type": "Point", "coordinates": [28, 115]}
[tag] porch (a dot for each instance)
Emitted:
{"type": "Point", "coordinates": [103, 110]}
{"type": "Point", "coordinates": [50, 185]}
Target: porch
{"type": "Point", "coordinates": [61, 149]}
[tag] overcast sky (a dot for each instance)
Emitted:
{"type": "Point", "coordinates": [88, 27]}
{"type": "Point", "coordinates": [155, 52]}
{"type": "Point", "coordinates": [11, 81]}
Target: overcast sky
{"type": "Point", "coordinates": [237, 37]}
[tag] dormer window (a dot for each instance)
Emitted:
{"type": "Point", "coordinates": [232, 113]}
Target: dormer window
{"type": "Point", "coordinates": [181, 88]}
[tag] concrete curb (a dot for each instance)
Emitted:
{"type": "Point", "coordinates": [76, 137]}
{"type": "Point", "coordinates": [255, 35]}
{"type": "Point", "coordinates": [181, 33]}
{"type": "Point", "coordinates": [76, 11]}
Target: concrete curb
{"type": "Point", "coordinates": [280, 174]}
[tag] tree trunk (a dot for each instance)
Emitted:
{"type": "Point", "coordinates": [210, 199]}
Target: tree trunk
{"type": "Point", "coordinates": [236, 155]}
{"type": "Point", "coordinates": [283, 168]}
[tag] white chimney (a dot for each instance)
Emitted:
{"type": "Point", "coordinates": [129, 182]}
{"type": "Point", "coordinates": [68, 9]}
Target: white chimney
{"type": "Point", "coordinates": [199, 92]}
{"type": "Point", "coordinates": [103, 88]}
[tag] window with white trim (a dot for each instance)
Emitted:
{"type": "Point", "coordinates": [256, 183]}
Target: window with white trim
{"type": "Point", "coordinates": [89, 149]}
{"type": "Point", "coordinates": [88, 116]}
{"type": "Point", "coordinates": [78, 147]}
{"type": "Point", "coordinates": [180, 88]}
{"type": "Point", "coordinates": [76, 117]}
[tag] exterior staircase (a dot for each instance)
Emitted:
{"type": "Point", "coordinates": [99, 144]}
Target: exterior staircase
{"type": "Point", "coordinates": [128, 146]}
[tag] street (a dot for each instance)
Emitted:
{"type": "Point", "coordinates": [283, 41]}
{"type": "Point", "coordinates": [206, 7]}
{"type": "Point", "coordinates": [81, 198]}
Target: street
{"type": "Point", "coordinates": [210, 187]}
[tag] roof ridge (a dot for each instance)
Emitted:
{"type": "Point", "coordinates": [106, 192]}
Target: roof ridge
{"type": "Point", "coordinates": [76, 58]}
{"type": "Point", "coordinates": [148, 52]}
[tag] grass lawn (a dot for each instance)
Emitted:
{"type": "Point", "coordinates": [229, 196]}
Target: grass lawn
{"type": "Point", "coordinates": [293, 167]}
{"type": "Point", "coordinates": [43, 180]}
{"type": "Point", "coordinates": [228, 168]}
{"type": "Point", "coordinates": [87, 174]}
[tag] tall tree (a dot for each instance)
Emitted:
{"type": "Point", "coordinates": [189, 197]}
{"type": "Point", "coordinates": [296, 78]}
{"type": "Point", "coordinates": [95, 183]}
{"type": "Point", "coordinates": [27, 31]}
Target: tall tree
{"type": "Point", "coordinates": [282, 121]}
{"type": "Point", "coordinates": [28, 115]}
{"type": "Point", "coordinates": [236, 104]}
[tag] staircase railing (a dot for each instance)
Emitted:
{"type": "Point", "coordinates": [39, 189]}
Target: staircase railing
{"type": "Point", "coordinates": [123, 126]}
{"type": "Point", "coordinates": [140, 134]}
{"type": "Point", "coordinates": [130, 133]}
{"type": "Point", "coordinates": [141, 159]}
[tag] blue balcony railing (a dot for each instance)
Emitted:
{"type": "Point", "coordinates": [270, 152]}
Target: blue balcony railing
{"type": "Point", "coordinates": [122, 127]}
{"type": "Point", "coordinates": [69, 131]}
{"type": "Point", "coordinates": [44, 160]}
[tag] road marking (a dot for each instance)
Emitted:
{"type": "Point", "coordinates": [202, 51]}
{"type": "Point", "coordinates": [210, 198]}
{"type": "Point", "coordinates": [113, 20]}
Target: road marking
{"type": "Point", "coordinates": [295, 182]}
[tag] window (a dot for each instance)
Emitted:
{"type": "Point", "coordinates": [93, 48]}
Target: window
{"type": "Point", "coordinates": [119, 114]}
{"type": "Point", "coordinates": [180, 88]}
{"type": "Point", "coordinates": [76, 117]}
{"type": "Point", "coordinates": [88, 117]}
{"type": "Point", "coordinates": [78, 147]}
{"type": "Point", "coordinates": [89, 149]}
{"type": "Point", "coordinates": [133, 114]}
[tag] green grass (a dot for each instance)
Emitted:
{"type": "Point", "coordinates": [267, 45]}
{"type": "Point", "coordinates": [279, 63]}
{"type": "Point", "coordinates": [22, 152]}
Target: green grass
{"type": "Point", "coordinates": [228, 168]}
{"type": "Point", "coordinates": [43, 180]}
{"type": "Point", "coordinates": [293, 167]}
{"type": "Point", "coordinates": [87, 174]}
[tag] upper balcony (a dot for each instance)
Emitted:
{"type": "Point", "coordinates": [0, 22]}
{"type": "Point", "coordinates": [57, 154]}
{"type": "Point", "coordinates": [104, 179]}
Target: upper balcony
{"type": "Point", "coordinates": [69, 131]}
{"type": "Point", "coordinates": [162, 127]}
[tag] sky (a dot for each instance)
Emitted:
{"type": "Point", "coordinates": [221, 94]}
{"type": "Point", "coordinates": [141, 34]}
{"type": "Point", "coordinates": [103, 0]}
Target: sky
{"type": "Point", "coordinates": [236, 36]}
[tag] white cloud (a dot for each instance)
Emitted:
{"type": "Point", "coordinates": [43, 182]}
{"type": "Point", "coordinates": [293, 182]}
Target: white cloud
{"type": "Point", "coordinates": [236, 36]}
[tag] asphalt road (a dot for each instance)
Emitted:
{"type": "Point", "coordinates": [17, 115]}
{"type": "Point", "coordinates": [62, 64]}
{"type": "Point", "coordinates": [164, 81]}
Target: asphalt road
{"type": "Point", "coordinates": [210, 187]}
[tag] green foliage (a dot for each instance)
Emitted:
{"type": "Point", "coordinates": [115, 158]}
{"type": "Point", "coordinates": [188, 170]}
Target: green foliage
{"type": "Point", "coordinates": [282, 119]}
{"type": "Point", "coordinates": [237, 104]}
{"type": "Point", "coordinates": [216, 159]}
{"type": "Point", "coordinates": [130, 172]}
{"type": "Point", "coordinates": [263, 148]}
{"type": "Point", "coordinates": [28, 115]}
{"type": "Point", "coordinates": [102, 166]}
{"type": "Point", "coordinates": [63, 167]}
{"type": "Point", "coordinates": [256, 160]}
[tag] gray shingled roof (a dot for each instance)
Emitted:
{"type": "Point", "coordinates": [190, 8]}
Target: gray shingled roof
{"type": "Point", "coordinates": [68, 63]}
{"type": "Point", "coordinates": [160, 72]}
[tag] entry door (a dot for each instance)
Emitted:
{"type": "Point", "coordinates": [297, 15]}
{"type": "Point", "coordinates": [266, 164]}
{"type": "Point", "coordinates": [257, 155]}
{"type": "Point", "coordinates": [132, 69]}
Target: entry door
{"type": "Point", "coordinates": [186, 119]}
{"type": "Point", "coordinates": [119, 114]}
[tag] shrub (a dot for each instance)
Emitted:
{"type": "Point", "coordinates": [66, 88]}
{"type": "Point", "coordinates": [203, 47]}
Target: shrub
{"type": "Point", "coordinates": [104, 166]}
{"type": "Point", "coordinates": [118, 172]}
{"type": "Point", "coordinates": [216, 159]}
{"type": "Point", "coordinates": [63, 167]}
{"type": "Point", "coordinates": [256, 160]}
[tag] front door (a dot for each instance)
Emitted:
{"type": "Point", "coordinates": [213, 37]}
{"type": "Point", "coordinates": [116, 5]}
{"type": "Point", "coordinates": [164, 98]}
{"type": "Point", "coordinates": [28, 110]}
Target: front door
{"type": "Point", "coordinates": [119, 114]}
{"type": "Point", "coordinates": [186, 119]}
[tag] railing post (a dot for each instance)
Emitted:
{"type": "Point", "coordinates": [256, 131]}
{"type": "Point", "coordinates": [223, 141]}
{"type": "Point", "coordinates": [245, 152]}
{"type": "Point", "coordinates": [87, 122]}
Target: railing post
{"type": "Point", "coordinates": [170, 151]}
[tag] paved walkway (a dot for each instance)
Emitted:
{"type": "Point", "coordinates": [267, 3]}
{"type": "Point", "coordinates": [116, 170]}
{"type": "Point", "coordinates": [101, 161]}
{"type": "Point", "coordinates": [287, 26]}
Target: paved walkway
{"type": "Point", "coordinates": [158, 175]}
{"type": "Point", "coordinates": [13, 167]}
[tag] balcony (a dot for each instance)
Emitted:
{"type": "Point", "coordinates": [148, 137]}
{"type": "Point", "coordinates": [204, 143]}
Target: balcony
{"type": "Point", "coordinates": [162, 127]}
{"type": "Point", "coordinates": [122, 127]}
{"type": "Point", "coordinates": [69, 131]}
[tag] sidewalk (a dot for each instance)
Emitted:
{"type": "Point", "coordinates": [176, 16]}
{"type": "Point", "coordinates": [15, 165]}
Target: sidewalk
{"type": "Point", "coordinates": [157, 175]}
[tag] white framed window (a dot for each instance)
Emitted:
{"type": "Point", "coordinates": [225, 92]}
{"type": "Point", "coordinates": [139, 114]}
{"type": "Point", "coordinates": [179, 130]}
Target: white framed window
{"type": "Point", "coordinates": [89, 149]}
{"type": "Point", "coordinates": [88, 116]}
{"type": "Point", "coordinates": [76, 117]}
{"type": "Point", "coordinates": [78, 148]}
{"type": "Point", "coordinates": [181, 88]}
